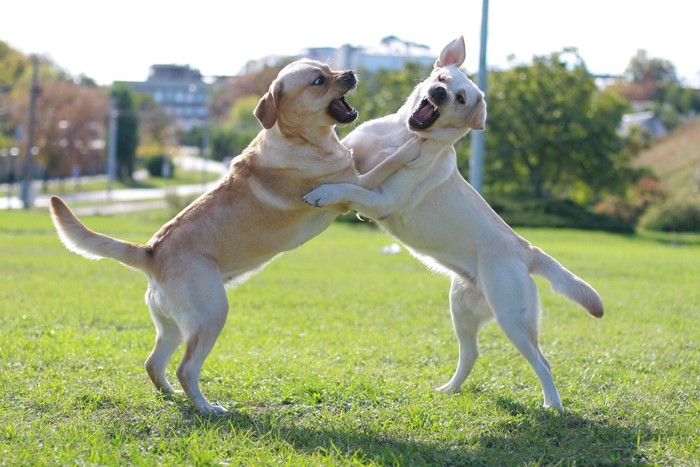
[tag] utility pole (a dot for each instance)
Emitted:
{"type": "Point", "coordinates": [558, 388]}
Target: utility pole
{"type": "Point", "coordinates": [205, 151]}
{"type": "Point", "coordinates": [478, 138]}
{"type": "Point", "coordinates": [112, 147]}
{"type": "Point", "coordinates": [27, 189]}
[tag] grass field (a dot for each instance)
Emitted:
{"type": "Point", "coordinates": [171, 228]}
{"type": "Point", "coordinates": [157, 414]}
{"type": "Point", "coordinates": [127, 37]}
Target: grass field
{"type": "Point", "coordinates": [330, 356]}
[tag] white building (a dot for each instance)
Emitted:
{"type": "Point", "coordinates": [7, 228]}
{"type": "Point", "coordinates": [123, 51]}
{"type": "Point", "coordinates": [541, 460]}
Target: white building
{"type": "Point", "coordinates": [391, 54]}
{"type": "Point", "coordinates": [180, 90]}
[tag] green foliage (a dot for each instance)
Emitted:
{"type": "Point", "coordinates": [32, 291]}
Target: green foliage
{"type": "Point", "coordinates": [525, 212]}
{"type": "Point", "coordinates": [233, 136]}
{"type": "Point", "coordinates": [156, 165]}
{"type": "Point", "coordinates": [643, 68]}
{"type": "Point", "coordinates": [193, 137]}
{"type": "Point", "coordinates": [551, 133]}
{"type": "Point", "coordinates": [331, 353]}
{"type": "Point", "coordinates": [127, 130]}
{"type": "Point", "coordinates": [12, 66]}
{"type": "Point", "coordinates": [628, 208]}
{"type": "Point", "coordinates": [683, 100]}
{"type": "Point", "coordinates": [155, 132]}
{"type": "Point", "coordinates": [673, 215]}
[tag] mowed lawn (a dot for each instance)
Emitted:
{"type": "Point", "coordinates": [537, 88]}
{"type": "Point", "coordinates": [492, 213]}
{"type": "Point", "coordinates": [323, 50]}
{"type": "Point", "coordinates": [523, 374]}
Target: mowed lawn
{"type": "Point", "coordinates": [330, 356]}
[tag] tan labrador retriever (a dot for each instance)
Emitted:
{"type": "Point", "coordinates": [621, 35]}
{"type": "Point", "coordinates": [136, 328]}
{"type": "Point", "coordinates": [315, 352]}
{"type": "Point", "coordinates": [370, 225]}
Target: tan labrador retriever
{"type": "Point", "coordinates": [253, 215]}
{"type": "Point", "coordinates": [444, 222]}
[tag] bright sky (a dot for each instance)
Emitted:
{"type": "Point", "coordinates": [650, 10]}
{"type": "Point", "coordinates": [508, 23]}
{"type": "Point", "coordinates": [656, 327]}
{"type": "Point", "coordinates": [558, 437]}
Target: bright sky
{"type": "Point", "coordinates": [119, 40]}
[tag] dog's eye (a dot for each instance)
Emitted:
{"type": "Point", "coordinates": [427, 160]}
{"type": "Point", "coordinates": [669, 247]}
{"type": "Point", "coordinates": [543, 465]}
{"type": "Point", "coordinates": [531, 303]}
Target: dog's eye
{"type": "Point", "coordinates": [460, 99]}
{"type": "Point", "coordinates": [442, 78]}
{"type": "Point", "coordinates": [319, 81]}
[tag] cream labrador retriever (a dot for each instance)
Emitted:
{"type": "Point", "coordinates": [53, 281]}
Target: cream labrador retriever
{"type": "Point", "coordinates": [444, 222]}
{"type": "Point", "coordinates": [254, 214]}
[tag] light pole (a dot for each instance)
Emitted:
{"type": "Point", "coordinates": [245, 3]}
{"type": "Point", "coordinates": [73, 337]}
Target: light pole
{"type": "Point", "coordinates": [27, 195]}
{"type": "Point", "coordinates": [11, 154]}
{"type": "Point", "coordinates": [478, 138]}
{"type": "Point", "coordinates": [112, 147]}
{"type": "Point", "coordinates": [205, 151]}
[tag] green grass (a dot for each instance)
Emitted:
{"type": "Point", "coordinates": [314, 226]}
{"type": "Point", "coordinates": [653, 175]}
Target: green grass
{"type": "Point", "coordinates": [330, 356]}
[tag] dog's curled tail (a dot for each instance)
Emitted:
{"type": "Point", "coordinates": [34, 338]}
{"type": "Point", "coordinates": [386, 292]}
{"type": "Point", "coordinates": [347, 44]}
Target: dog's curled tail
{"type": "Point", "coordinates": [566, 283]}
{"type": "Point", "coordinates": [92, 245]}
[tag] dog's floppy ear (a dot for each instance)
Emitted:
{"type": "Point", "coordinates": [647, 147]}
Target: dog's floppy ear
{"type": "Point", "coordinates": [454, 53]}
{"type": "Point", "coordinates": [477, 118]}
{"type": "Point", "coordinates": [266, 110]}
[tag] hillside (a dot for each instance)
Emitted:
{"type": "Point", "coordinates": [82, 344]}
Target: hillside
{"type": "Point", "coordinates": [676, 159]}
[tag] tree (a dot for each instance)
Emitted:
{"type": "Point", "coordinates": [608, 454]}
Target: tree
{"type": "Point", "coordinates": [71, 127]}
{"type": "Point", "coordinates": [643, 69]}
{"type": "Point", "coordinates": [231, 137]}
{"type": "Point", "coordinates": [155, 128]}
{"type": "Point", "coordinates": [70, 122]}
{"type": "Point", "coordinates": [226, 92]}
{"type": "Point", "coordinates": [127, 130]}
{"type": "Point", "coordinates": [12, 66]}
{"type": "Point", "coordinates": [232, 125]}
{"type": "Point", "coordinates": [551, 133]}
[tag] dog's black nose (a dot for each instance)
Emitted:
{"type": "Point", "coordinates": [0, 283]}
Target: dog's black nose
{"type": "Point", "coordinates": [438, 94]}
{"type": "Point", "coordinates": [349, 78]}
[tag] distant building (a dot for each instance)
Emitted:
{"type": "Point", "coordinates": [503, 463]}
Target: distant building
{"type": "Point", "coordinates": [646, 121]}
{"type": "Point", "coordinates": [391, 54]}
{"type": "Point", "coordinates": [180, 90]}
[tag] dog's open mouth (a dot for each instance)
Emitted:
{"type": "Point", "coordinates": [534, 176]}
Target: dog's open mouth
{"type": "Point", "coordinates": [425, 115]}
{"type": "Point", "coordinates": [341, 111]}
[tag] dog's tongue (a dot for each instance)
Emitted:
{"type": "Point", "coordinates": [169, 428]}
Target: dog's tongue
{"type": "Point", "coordinates": [341, 111]}
{"type": "Point", "coordinates": [424, 112]}
{"type": "Point", "coordinates": [424, 116]}
{"type": "Point", "coordinates": [341, 105]}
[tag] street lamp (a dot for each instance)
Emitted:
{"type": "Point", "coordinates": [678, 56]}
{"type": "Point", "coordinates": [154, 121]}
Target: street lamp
{"type": "Point", "coordinates": [478, 138]}
{"type": "Point", "coordinates": [27, 194]}
{"type": "Point", "coordinates": [11, 154]}
{"type": "Point", "coordinates": [205, 151]}
{"type": "Point", "coordinates": [112, 145]}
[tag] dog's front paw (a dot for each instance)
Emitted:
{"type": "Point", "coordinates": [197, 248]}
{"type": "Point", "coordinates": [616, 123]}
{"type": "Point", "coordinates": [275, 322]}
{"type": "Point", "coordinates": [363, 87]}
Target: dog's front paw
{"type": "Point", "coordinates": [323, 195]}
{"type": "Point", "coordinates": [448, 388]}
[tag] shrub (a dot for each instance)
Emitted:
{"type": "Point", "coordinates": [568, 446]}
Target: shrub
{"type": "Point", "coordinates": [674, 215]}
{"type": "Point", "coordinates": [156, 165]}
{"type": "Point", "coordinates": [526, 212]}
{"type": "Point", "coordinates": [645, 192]}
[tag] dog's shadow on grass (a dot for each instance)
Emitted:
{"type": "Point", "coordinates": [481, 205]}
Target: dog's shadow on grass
{"type": "Point", "coordinates": [531, 435]}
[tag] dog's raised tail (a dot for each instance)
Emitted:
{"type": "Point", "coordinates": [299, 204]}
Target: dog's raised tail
{"type": "Point", "coordinates": [92, 245]}
{"type": "Point", "coordinates": [567, 283]}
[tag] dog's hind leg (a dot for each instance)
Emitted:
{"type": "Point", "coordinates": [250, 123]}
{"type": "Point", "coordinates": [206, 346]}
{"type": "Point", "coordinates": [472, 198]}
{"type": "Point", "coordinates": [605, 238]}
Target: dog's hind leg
{"type": "Point", "coordinates": [513, 297]}
{"type": "Point", "coordinates": [203, 320]}
{"type": "Point", "coordinates": [469, 313]}
{"type": "Point", "coordinates": [168, 338]}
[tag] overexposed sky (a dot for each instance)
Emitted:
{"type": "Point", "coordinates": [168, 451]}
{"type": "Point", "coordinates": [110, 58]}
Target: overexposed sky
{"type": "Point", "coordinates": [110, 40]}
